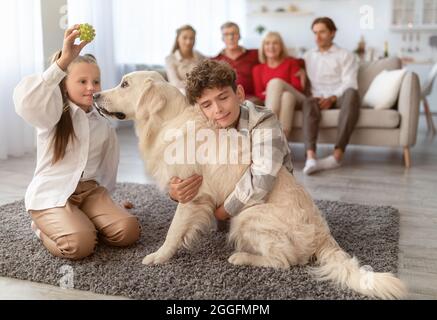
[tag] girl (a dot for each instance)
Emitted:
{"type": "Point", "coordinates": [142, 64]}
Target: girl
{"type": "Point", "coordinates": [77, 157]}
{"type": "Point", "coordinates": [183, 57]}
{"type": "Point", "coordinates": [279, 80]}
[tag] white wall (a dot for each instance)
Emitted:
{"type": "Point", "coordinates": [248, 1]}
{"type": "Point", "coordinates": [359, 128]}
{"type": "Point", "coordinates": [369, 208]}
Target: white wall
{"type": "Point", "coordinates": [346, 14]}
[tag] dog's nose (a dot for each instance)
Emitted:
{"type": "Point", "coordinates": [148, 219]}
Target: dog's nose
{"type": "Point", "coordinates": [96, 96]}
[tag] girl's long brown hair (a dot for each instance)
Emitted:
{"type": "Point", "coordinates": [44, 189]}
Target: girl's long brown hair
{"type": "Point", "coordinates": [64, 131]}
{"type": "Point", "coordinates": [178, 33]}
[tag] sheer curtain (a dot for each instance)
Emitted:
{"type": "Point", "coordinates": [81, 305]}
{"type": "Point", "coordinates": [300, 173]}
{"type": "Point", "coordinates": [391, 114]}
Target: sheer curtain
{"type": "Point", "coordinates": [99, 14]}
{"type": "Point", "coordinates": [146, 29]}
{"type": "Point", "coordinates": [21, 54]}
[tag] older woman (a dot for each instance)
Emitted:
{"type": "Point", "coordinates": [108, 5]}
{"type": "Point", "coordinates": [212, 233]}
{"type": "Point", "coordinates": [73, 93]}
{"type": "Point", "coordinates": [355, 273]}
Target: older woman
{"type": "Point", "coordinates": [183, 57]}
{"type": "Point", "coordinates": [279, 80]}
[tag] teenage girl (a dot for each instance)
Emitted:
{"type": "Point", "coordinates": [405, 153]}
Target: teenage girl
{"type": "Point", "coordinates": [77, 157]}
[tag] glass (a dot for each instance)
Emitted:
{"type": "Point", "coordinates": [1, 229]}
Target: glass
{"type": "Point", "coordinates": [230, 34]}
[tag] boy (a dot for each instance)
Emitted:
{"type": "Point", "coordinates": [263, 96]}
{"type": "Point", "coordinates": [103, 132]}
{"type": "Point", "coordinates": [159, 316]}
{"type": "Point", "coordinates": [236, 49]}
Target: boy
{"type": "Point", "coordinates": [212, 85]}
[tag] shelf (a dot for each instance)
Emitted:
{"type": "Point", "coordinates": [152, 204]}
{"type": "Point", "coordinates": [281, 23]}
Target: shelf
{"type": "Point", "coordinates": [281, 14]}
{"type": "Point", "coordinates": [265, 1]}
{"type": "Point", "coordinates": [432, 27]}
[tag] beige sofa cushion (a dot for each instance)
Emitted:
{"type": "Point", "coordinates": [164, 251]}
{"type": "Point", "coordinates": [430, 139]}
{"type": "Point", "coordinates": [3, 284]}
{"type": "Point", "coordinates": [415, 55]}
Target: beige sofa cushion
{"type": "Point", "coordinates": [369, 118]}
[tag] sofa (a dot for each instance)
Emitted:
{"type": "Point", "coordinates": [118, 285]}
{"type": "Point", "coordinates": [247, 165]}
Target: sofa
{"type": "Point", "coordinates": [396, 127]}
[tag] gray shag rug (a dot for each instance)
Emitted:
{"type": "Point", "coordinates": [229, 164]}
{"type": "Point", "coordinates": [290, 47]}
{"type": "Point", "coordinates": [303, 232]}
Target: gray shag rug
{"type": "Point", "coordinates": [369, 232]}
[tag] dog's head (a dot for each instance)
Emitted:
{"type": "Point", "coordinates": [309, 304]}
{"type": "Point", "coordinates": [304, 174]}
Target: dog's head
{"type": "Point", "coordinates": [139, 96]}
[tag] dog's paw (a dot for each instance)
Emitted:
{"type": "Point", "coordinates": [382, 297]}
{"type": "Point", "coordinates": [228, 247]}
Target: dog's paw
{"type": "Point", "coordinates": [149, 259]}
{"type": "Point", "coordinates": [155, 258]}
{"type": "Point", "coordinates": [239, 258]}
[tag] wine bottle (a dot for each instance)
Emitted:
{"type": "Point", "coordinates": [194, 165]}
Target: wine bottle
{"type": "Point", "coordinates": [385, 49]}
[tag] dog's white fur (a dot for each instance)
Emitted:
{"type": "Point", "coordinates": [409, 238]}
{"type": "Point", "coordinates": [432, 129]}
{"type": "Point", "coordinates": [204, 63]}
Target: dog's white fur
{"type": "Point", "coordinates": [286, 230]}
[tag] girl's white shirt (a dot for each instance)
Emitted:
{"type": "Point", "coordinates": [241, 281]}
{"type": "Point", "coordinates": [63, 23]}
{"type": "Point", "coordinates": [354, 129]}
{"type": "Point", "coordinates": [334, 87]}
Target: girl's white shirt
{"type": "Point", "coordinates": [92, 155]}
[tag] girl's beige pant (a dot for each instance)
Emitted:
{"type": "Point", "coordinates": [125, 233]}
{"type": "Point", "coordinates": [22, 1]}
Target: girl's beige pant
{"type": "Point", "coordinates": [71, 231]}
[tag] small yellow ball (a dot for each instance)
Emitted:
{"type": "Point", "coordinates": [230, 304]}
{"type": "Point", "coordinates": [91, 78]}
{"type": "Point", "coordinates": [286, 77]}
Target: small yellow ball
{"type": "Point", "coordinates": [87, 32]}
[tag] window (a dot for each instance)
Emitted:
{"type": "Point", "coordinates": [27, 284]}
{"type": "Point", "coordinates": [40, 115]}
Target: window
{"type": "Point", "coordinates": [20, 56]}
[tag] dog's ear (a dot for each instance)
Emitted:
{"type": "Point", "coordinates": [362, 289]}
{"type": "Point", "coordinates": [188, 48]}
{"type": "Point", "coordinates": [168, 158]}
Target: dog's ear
{"type": "Point", "coordinates": [152, 100]}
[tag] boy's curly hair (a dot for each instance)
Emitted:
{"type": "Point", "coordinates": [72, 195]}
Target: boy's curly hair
{"type": "Point", "coordinates": [209, 74]}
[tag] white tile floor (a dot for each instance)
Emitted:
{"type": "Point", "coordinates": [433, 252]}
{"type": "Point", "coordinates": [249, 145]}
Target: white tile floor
{"type": "Point", "coordinates": [370, 176]}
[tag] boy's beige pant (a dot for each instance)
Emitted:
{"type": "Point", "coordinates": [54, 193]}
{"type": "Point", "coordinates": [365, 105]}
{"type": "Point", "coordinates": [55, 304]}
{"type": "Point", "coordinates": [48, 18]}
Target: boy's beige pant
{"type": "Point", "coordinates": [71, 231]}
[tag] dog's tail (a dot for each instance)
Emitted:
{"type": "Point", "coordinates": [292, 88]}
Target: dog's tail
{"type": "Point", "coordinates": [338, 266]}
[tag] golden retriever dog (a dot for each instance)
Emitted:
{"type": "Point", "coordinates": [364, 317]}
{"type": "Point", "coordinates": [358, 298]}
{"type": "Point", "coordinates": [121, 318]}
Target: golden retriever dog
{"type": "Point", "coordinates": [286, 230]}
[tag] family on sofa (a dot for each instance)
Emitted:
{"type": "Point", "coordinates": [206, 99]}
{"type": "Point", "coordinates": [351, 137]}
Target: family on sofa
{"type": "Point", "coordinates": [319, 98]}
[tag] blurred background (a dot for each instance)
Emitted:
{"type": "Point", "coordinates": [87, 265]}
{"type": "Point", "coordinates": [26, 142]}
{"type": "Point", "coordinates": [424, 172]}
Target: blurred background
{"type": "Point", "coordinates": [139, 34]}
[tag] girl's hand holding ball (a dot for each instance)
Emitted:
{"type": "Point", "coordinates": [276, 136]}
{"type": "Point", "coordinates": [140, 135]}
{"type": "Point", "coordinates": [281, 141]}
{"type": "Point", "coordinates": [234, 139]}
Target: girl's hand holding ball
{"type": "Point", "coordinates": [70, 51]}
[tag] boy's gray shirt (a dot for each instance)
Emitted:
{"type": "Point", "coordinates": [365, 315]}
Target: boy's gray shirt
{"type": "Point", "coordinates": [266, 135]}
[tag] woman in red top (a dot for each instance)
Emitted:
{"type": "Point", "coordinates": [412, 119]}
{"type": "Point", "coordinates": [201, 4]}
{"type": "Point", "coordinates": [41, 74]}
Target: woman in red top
{"type": "Point", "coordinates": [279, 80]}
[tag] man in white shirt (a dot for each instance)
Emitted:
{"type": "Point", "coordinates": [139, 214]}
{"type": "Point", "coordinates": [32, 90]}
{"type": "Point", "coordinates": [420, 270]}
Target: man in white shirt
{"type": "Point", "coordinates": [333, 75]}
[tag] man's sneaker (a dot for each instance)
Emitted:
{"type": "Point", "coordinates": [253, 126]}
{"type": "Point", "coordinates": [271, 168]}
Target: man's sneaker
{"type": "Point", "coordinates": [310, 166]}
{"type": "Point", "coordinates": [328, 163]}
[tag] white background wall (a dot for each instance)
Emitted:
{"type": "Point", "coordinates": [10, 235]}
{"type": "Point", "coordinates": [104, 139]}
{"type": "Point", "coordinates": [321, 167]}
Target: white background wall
{"type": "Point", "coordinates": [295, 29]}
